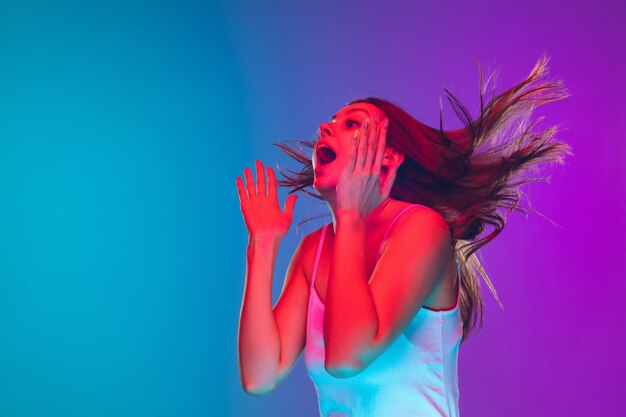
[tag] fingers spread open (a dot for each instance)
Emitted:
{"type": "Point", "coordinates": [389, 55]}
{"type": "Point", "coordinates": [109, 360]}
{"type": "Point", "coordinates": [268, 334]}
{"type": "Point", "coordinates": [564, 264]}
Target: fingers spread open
{"type": "Point", "coordinates": [351, 163]}
{"type": "Point", "coordinates": [271, 183]}
{"type": "Point", "coordinates": [249, 183]}
{"type": "Point", "coordinates": [362, 146]}
{"type": "Point", "coordinates": [243, 195]}
{"type": "Point", "coordinates": [371, 143]}
{"type": "Point", "coordinates": [289, 205]}
{"type": "Point", "coordinates": [260, 178]}
{"type": "Point", "coordinates": [380, 147]}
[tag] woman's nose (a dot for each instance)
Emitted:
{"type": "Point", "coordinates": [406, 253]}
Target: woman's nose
{"type": "Point", "coordinates": [325, 130]}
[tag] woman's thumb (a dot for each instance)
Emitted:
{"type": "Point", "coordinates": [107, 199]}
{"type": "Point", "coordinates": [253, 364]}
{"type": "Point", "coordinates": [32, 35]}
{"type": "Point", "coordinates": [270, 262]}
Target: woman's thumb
{"type": "Point", "coordinates": [289, 204]}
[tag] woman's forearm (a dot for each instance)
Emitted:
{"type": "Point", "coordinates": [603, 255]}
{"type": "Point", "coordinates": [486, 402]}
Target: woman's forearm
{"type": "Point", "coordinates": [259, 341]}
{"type": "Point", "coordinates": [350, 321]}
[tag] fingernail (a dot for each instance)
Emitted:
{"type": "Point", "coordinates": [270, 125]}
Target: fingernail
{"type": "Point", "coordinates": [386, 123]}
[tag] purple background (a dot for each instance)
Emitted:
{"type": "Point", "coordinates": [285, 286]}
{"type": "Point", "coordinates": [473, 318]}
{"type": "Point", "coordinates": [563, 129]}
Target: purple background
{"type": "Point", "coordinates": [557, 348]}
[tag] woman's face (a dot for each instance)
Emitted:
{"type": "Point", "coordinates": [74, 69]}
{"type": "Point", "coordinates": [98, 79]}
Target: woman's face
{"type": "Point", "coordinates": [335, 138]}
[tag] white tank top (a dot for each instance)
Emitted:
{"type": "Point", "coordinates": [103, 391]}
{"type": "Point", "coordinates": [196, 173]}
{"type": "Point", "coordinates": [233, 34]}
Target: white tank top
{"type": "Point", "coordinates": [415, 376]}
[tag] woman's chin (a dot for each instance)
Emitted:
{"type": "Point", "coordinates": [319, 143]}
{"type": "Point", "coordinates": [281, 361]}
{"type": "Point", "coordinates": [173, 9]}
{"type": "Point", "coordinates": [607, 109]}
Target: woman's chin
{"type": "Point", "coordinates": [323, 186]}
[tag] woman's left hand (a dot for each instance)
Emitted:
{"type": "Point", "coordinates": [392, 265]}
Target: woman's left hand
{"type": "Point", "coordinates": [359, 190]}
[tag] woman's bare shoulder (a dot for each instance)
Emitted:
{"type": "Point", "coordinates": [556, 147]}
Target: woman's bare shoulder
{"type": "Point", "coordinates": [406, 223]}
{"type": "Point", "coordinates": [419, 211]}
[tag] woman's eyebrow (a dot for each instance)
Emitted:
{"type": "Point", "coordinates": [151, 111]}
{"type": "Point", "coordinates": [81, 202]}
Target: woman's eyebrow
{"type": "Point", "coordinates": [347, 112]}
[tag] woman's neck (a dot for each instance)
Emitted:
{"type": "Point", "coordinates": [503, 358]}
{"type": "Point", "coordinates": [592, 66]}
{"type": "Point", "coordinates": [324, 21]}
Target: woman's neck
{"type": "Point", "coordinates": [372, 217]}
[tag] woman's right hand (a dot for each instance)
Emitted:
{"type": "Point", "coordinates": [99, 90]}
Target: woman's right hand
{"type": "Point", "coordinates": [261, 212]}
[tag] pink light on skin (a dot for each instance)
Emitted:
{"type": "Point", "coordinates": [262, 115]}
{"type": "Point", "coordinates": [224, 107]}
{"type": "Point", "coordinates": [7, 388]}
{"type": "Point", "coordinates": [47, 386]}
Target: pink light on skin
{"type": "Point", "coordinates": [331, 152]}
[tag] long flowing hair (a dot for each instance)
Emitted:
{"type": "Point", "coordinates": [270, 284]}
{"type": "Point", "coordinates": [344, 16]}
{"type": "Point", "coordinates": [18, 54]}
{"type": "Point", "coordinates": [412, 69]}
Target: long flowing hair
{"type": "Point", "coordinates": [472, 175]}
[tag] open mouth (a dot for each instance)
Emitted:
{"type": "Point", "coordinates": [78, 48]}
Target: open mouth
{"type": "Point", "coordinates": [325, 154]}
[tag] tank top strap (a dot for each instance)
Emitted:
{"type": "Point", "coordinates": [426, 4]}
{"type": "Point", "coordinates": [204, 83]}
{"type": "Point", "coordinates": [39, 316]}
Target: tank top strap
{"type": "Point", "coordinates": [319, 253]}
{"type": "Point", "coordinates": [380, 248]}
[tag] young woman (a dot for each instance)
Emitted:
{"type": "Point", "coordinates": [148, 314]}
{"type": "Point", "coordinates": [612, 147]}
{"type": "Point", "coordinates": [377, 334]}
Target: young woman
{"type": "Point", "coordinates": [381, 298]}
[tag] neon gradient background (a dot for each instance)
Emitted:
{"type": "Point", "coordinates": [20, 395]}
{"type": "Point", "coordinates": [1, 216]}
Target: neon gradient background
{"type": "Point", "coordinates": [122, 249]}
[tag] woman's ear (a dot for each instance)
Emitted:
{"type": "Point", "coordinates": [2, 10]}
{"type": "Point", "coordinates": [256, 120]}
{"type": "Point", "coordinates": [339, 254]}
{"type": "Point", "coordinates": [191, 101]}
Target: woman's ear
{"type": "Point", "coordinates": [392, 158]}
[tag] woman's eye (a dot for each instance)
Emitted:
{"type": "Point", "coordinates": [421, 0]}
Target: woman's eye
{"type": "Point", "coordinates": [352, 123]}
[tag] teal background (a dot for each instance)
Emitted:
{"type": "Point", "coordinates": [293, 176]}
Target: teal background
{"type": "Point", "coordinates": [122, 249]}
{"type": "Point", "coordinates": [119, 122]}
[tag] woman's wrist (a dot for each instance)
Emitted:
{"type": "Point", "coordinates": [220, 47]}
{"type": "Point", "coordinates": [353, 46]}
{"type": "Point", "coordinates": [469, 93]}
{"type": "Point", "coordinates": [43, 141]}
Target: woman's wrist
{"type": "Point", "coordinates": [349, 216]}
{"type": "Point", "coordinates": [264, 241]}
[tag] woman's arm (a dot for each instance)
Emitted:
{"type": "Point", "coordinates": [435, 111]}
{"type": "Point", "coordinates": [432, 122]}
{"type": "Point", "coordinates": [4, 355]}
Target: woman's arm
{"type": "Point", "coordinates": [259, 342]}
{"type": "Point", "coordinates": [364, 316]}
{"type": "Point", "coordinates": [270, 340]}
{"type": "Point", "coordinates": [362, 319]}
